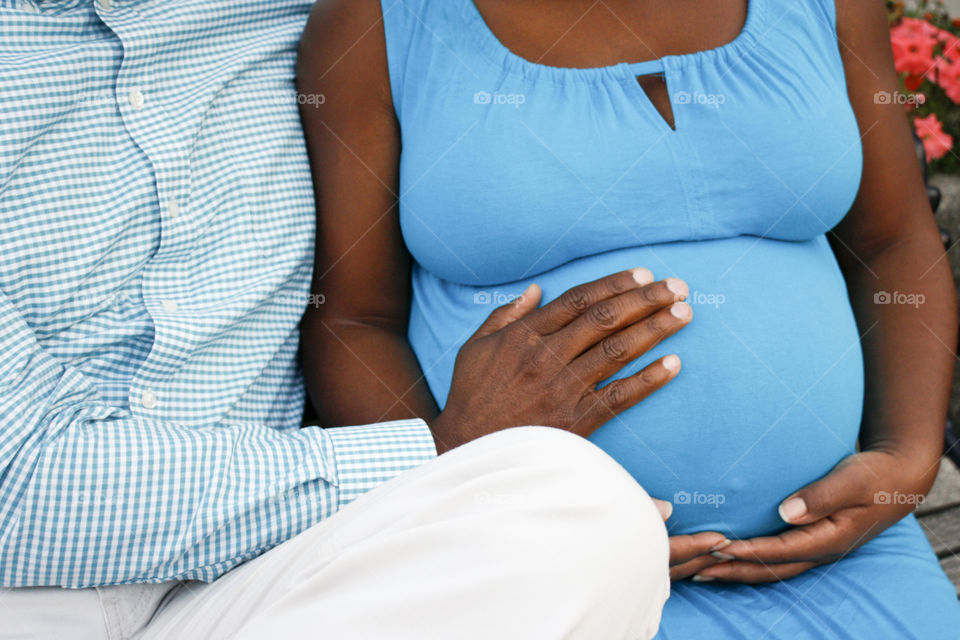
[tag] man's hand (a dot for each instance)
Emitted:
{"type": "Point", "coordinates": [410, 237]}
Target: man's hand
{"type": "Point", "coordinates": [541, 366]}
{"type": "Point", "coordinates": [866, 493]}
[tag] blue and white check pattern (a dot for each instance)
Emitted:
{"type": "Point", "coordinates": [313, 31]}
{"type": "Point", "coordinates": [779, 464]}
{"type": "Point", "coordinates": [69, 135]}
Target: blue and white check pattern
{"type": "Point", "coordinates": [156, 235]}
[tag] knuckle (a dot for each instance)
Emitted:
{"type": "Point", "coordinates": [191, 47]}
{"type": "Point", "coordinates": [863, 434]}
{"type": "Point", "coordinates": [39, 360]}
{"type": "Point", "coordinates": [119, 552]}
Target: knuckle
{"type": "Point", "coordinates": [575, 301]}
{"type": "Point", "coordinates": [652, 295]}
{"type": "Point", "coordinates": [622, 283]}
{"type": "Point", "coordinates": [603, 315]}
{"type": "Point", "coordinates": [617, 394]}
{"type": "Point", "coordinates": [657, 326]}
{"type": "Point", "coordinates": [535, 361]}
{"type": "Point", "coordinates": [648, 378]}
{"type": "Point", "coordinates": [614, 349]}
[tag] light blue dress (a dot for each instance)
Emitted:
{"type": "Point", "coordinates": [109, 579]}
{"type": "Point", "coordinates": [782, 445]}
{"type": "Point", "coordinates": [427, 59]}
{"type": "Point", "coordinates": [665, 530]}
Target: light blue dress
{"type": "Point", "coordinates": [514, 172]}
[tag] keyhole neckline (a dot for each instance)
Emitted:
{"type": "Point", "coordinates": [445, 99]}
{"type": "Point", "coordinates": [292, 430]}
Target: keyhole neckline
{"type": "Point", "coordinates": [491, 45]}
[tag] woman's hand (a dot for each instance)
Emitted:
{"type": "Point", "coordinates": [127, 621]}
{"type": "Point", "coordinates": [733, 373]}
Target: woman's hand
{"type": "Point", "coordinates": [866, 493]}
{"type": "Point", "coordinates": [690, 554]}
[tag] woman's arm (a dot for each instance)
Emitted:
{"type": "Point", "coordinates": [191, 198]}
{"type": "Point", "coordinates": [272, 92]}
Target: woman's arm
{"type": "Point", "coordinates": [887, 243]}
{"type": "Point", "coordinates": [357, 363]}
{"type": "Point", "coordinates": [524, 365]}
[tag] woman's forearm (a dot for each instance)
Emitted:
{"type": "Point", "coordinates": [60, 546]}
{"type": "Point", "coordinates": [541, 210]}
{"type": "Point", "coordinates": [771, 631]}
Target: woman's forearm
{"type": "Point", "coordinates": [905, 304]}
{"type": "Point", "coordinates": [361, 371]}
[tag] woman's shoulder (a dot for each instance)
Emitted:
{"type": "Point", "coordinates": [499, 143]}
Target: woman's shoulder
{"type": "Point", "coordinates": [342, 52]}
{"type": "Point", "coordinates": [335, 23]}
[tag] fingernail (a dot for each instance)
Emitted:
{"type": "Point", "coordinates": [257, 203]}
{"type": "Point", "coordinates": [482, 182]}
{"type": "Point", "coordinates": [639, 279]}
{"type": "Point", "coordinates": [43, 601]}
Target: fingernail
{"type": "Point", "coordinates": [665, 508]}
{"type": "Point", "coordinates": [642, 276]}
{"type": "Point", "coordinates": [671, 363]}
{"type": "Point", "coordinates": [722, 557]}
{"type": "Point", "coordinates": [681, 310]}
{"type": "Point", "coordinates": [678, 287]}
{"type": "Point", "coordinates": [721, 545]}
{"type": "Point", "coordinates": [793, 509]}
{"type": "Point", "coordinates": [525, 293]}
{"type": "Point", "coordinates": [700, 578]}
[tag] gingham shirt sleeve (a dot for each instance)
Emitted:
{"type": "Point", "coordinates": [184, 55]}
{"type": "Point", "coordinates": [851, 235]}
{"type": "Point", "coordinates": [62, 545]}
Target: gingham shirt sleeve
{"type": "Point", "coordinates": [93, 496]}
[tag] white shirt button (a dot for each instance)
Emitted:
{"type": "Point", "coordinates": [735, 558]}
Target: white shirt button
{"type": "Point", "coordinates": [170, 306]}
{"type": "Point", "coordinates": [148, 399]}
{"type": "Point", "coordinates": [173, 208]}
{"type": "Point", "coordinates": [104, 4]}
{"type": "Point", "coordinates": [135, 98]}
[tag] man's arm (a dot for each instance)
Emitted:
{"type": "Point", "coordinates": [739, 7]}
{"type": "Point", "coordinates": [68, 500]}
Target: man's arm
{"type": "Point", "coordinates": [90, 495]}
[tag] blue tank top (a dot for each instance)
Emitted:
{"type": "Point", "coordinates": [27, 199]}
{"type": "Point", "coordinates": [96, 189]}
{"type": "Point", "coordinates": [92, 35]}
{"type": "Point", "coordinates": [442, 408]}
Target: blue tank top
{"type": "Point", "coordinates": [513, 172]}
{"type": "Point", "coordinates": [504, 156]}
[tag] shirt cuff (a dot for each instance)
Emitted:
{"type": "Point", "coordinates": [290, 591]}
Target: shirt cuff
{"type": "Point", "coordinates": [367, 456]}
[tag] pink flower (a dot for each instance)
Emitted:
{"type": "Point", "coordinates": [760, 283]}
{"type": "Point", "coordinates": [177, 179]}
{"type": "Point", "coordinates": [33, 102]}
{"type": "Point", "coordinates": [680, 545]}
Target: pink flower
{"type": "Point", "coordinates": [913, 43]}
{"type": "Point", "coordinates": [936, 143]}
{"type": "Point", "coordinates": [917, 28]}
{"type": "Point", "coordinates": [951, 45]}
{"type": "Point", "coordinates": [947, 75]}
{"type": "Point", "coordinates": [914, 56]}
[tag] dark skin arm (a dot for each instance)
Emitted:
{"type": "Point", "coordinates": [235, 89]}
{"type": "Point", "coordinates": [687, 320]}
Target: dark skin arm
{"type": "Point", "coordinates": [888, 242]}
{"type": "Point", "coordinates": [357, 338]}
{"type": "Point", "coordinates": [525, 365]}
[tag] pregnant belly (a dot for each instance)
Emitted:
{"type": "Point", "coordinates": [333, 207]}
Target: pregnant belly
{"type": "Point", "coordinates": [771, 390]}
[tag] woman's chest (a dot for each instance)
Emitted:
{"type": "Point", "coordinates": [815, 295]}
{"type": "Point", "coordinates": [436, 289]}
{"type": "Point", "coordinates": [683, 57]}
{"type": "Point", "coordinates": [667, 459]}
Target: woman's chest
{"type": "Point", "coordinates": [511, 168]}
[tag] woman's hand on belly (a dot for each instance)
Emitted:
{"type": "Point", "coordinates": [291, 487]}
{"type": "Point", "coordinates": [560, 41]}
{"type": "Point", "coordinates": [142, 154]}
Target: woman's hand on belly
{"type": "Point", "coordinates": [866, 493]}
{"type": "Point", "coordinates": [691, 553]}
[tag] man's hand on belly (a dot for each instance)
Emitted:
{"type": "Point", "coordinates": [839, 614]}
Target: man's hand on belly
{"type": "Point", "coordinates": [542, 366]}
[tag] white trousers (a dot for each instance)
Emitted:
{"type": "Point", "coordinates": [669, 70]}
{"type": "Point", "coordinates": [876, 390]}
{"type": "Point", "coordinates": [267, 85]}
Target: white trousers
{"type": "Point", "coordinates": [528, 533]}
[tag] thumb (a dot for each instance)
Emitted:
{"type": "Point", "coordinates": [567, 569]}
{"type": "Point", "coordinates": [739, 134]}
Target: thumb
{"type": "Point", "coordinates": [665, 508]}
{"type": "Point", "coordinates": [841, 488]}
{"type": "Point", "coordinates": [510, 312]}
